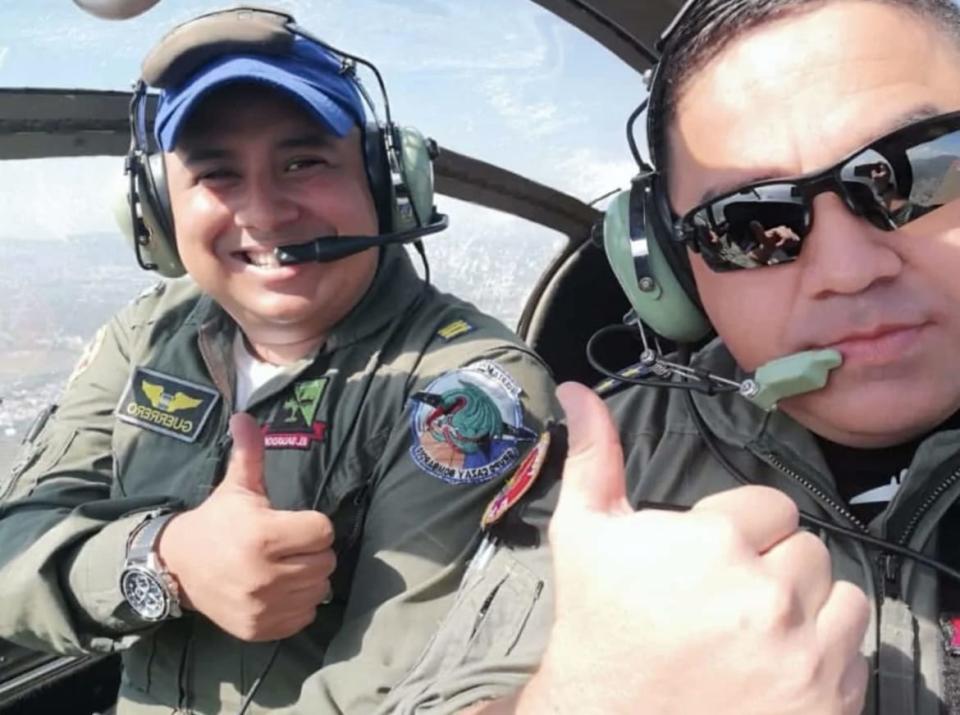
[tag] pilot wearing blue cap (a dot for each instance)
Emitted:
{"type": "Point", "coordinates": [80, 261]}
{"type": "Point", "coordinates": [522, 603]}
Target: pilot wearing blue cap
{"type": "Point", "coordinates": [266, 474]}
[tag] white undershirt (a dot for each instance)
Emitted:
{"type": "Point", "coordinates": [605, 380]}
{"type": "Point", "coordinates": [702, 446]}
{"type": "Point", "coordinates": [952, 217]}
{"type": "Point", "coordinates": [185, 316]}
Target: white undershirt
{"type": "Point", "coordinates": [252, 373]}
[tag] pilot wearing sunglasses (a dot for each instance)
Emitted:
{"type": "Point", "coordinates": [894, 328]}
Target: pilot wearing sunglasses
{"type": "Point", "coordinates": [272, 467]}
{"type": "Point", "coordinates": [800, 201]}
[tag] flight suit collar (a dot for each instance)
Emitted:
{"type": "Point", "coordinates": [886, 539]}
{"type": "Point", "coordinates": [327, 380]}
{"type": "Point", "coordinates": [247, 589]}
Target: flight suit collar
{"type": "Point", "coordinates": [394, 289]}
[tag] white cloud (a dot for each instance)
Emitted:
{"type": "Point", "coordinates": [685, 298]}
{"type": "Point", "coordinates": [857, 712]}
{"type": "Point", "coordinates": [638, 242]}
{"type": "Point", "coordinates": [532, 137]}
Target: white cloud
{"type": "Point", "coordinates": [3, 55]}
{"type": "Point", "coordinates": [45, 199]}
{"type": "Point", "coordinates": [587, 175]}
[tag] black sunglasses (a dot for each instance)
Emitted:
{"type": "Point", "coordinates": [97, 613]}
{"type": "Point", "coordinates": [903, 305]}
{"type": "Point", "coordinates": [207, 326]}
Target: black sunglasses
{"type": "Point", "coordinates": [890, 182]}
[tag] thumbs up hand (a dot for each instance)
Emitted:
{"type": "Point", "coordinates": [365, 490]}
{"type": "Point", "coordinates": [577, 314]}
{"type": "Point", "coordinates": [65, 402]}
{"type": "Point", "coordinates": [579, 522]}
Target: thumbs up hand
{"type": "Point", "coordinates": [257, 572]}
{"type": "Point", "coordinates": [727, 608]}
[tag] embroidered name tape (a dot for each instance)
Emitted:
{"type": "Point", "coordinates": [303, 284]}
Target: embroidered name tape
{"type": "Point", "coordinates": [166, 404]}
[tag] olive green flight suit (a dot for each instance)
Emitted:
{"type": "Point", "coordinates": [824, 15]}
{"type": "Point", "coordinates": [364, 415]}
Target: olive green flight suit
{"type": "Point", "coordinates": [493, 638]}
{"type": "Point", "coordinates": [143, 424]}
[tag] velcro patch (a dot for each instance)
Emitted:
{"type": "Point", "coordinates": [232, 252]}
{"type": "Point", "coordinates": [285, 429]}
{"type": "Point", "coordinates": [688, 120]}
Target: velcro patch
{"type": "Point", "coordinates": [166, 404]}
{"type": "Point", "coordinates": [518, 484]}
{"type": "Point", "coordinates": [90, 351]}
{"type": "Point", "coordinates": [454, 330]}
{"type": "Point", "coordinates": [294, 424]}
{"type": "Point", "coordinates": [950, 627]}
{"type": "Point", "coordinates": [467, 425]}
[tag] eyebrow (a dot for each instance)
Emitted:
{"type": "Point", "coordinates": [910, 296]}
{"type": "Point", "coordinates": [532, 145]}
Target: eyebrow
{"type": "Point", "coordinates": [204, 153]}
{"type": "Point", "coordinates": [915, 114]}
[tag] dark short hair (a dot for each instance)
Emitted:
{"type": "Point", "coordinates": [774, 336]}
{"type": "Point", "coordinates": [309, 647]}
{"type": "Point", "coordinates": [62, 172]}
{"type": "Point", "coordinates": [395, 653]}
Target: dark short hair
{"type": "Point", "coordinates": [709, 26]}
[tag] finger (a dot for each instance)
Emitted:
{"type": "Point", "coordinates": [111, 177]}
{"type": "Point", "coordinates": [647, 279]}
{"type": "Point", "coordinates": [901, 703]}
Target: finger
{"type": "Point", "coordinates": [311, 595]}
{"type": "Point", "coordinates": [841, 625]}
{"type": "Point", "coordinates": [306, 568]}
{"type": "Point", "coordinates": [593, 476]}
{"type": "Point", "coordinates": [802, 563]}
{"type": "Point", "coordinates": [763, 516]}
{"type": "Point", "coordinates": [298, 532]}
{"type": "Point", "coordinates": [853, 686]}
{"type": "Point", "coordinates": [245, 470]}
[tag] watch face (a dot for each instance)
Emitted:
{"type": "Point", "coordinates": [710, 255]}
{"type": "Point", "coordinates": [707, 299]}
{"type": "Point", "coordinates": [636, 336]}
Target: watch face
{"type": "Point", "coordinates": [145, 594]}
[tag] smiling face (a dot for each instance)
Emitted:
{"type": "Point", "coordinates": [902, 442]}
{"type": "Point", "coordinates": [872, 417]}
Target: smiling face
{"type": "Point", "coordinates": [795, 95]}
{"type": "Point", "coordinates": [251, 172]}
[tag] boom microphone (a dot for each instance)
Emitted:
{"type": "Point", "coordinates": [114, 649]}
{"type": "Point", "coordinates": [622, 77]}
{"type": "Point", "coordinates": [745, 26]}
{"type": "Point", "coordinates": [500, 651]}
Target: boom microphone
{"type": "Point", "coordinates": [325, 249]}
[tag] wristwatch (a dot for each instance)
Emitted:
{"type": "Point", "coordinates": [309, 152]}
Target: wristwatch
{"type": "Point", "coordinates": [149, 590]}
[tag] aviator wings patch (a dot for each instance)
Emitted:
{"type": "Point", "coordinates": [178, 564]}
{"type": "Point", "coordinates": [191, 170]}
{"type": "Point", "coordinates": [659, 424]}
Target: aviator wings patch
{"type": "Point", "coordinates": [166, 404]}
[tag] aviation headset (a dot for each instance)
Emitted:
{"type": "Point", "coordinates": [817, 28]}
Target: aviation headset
{"type": "Point", "coordinates": [398, 160]}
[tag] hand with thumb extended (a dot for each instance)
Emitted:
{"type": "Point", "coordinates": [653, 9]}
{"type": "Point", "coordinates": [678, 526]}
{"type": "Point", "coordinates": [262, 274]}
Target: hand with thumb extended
{"type": "Point", "coordinates": [727, 607]}
{"type": "Point", "coordinates": [257, 572]}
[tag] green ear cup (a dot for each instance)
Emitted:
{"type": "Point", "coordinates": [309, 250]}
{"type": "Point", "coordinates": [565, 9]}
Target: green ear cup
{"type": "Point", "coordinates": [657, 298]}
{"type": "Point", "coordinates": [418, 172]}
{"type": "Point", "coordinates": [160, 249]}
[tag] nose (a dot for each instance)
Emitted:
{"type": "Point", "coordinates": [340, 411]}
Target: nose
{"type": "Point", "coordinates": [264, 205]}
{"type": "Point", "coordinates": [844, 253]}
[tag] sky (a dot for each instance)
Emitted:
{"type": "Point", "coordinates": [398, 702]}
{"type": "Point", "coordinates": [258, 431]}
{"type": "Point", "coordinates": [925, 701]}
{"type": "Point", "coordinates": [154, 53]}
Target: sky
{"type": "Point", "coordinates": [502, 80]}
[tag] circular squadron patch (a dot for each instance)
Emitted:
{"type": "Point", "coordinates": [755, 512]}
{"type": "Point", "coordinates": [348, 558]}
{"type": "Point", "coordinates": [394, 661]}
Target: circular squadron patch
{"type": "Point", "coordinates": [467, 425]}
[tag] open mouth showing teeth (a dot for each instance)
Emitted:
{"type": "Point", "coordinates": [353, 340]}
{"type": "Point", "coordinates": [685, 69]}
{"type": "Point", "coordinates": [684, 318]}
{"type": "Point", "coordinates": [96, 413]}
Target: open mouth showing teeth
{"type": "Point", "coordinates": [261, 259]}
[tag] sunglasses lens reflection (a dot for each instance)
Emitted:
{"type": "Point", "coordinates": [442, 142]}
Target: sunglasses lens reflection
{"type": "Point", "coordinates": [759, 227]}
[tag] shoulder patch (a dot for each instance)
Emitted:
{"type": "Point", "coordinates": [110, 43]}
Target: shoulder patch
{"type": "Point", "coordinates": [518, 484]}
{"type": "Point", "coordinates": [467, 425]}
{"type": "Point", "coordinates": [455, 329]}
{"type": "Point", "coordinates": [90, 351]}
{"type": "Point", "coordinates": [166, 404]}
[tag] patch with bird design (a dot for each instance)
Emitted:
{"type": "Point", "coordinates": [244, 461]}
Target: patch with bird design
{"type": "Point", "coordinates": [166, 404]}
{"type": "Point", "coordinates": [294, 424]}
{"type": "Point", "coordinates": [468, 425]}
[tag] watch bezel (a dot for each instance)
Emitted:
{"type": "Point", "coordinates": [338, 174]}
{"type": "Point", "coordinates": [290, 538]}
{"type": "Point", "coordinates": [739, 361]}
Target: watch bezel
{"type": "Point", "coordinates": [157, 585]}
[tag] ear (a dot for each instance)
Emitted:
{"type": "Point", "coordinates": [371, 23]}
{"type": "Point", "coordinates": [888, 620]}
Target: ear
{"type": "Point", "coordinates": [657, 295]}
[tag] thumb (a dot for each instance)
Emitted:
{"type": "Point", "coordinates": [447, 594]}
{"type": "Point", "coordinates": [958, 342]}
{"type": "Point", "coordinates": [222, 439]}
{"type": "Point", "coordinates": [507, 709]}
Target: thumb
{"type": "Point", "coordinates": [593, 476]}
{"type": "Point", "coordinates": [245, 470]}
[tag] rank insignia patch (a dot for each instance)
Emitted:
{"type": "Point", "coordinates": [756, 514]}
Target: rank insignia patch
{"type": "Point", "coordinates": [294, 425]}
{"type": "Point", "coordinates": [166, 404]}
{"type": "Point", "coordinates": [467, 425]}
{"type": "Point", "coordinates": [518, 484]}
{"type": "Point", "coordinates": [454, 330]}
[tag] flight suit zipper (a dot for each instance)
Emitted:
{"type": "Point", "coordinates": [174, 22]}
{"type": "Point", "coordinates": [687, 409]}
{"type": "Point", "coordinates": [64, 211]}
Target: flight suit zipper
{"type": "Point", "coordinates": [885, 578]}
{"type": "Point", "coordinates": [892, 567]}
{"type": "Point", "coordinates": [359, 500]}
{"type": "Point", "coordinates": [821, 496]}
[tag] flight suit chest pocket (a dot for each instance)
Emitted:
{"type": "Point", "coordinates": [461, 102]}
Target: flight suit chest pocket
{"type": "Point", "coordinates": [150, 464]}
{"type": "Point", "coordinates": [494, 609]}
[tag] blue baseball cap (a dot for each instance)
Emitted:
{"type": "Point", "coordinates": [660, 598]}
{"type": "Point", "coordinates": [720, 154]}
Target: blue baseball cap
{"type": "Point", "coordinates": [309, 74]}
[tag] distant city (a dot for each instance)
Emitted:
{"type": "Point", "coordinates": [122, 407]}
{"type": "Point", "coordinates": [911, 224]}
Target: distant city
{"type": "Point", "coordinates": [55, 294]}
